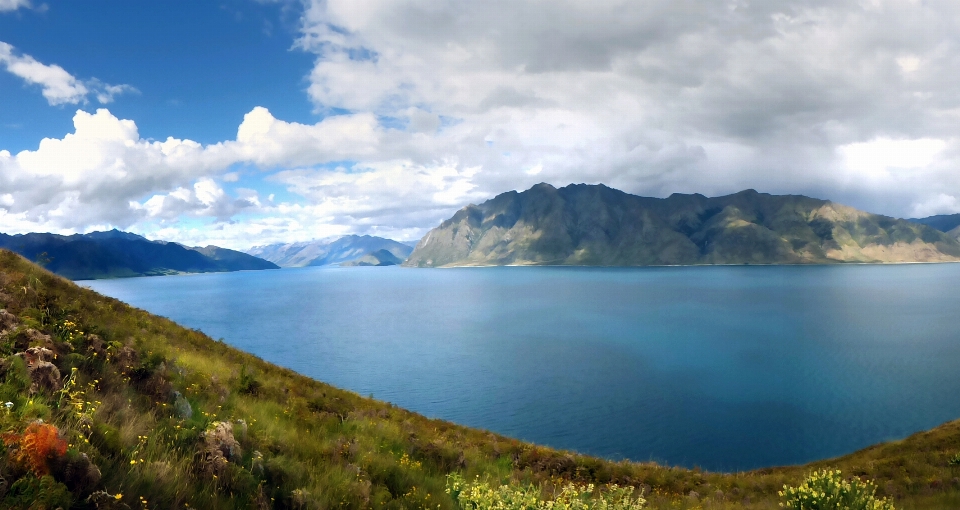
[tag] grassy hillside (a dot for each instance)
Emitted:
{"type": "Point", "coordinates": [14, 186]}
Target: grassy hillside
{"type": "Point", "coordinates": [584, 224]}
{"type": "Point", "coordinates": [138, 412]}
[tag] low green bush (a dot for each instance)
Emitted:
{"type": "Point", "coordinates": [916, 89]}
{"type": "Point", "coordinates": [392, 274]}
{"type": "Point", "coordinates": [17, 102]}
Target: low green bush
{"type": "Point", "coordinates": [826, 489]}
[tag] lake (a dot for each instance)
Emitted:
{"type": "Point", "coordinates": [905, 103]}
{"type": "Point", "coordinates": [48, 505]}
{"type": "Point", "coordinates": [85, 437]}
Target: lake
{"type": "Point", "coordinates": [724, 367]}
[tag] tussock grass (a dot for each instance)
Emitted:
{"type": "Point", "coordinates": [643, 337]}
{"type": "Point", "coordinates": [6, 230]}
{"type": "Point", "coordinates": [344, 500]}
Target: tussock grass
{"type": "Point", "coordinates": [144, 407]}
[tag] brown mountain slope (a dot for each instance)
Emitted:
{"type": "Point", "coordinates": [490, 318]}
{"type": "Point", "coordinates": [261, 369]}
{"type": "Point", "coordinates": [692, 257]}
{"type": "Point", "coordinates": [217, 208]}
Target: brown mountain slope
{"type": "Point", "coordinates": [596, 225]}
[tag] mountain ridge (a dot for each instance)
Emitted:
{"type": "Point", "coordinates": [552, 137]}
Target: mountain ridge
{"type": "Point", "coordinates": [117, 254]}
{"type": "Point", "coordinates": [330, 250]}
{"type": "Point", "coordinates": [582, 224]}
{"type": "Point", "coordinates": [947, 223]}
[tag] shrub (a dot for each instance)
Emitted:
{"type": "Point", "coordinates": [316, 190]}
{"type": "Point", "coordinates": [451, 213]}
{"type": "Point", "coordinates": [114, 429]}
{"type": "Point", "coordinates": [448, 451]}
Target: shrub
{"type": "Point", "coordinates": [247, 383]}
{"type": "Point", "coordinates": [480, 495]}
{"type": "Point", "coordinates": [37, 446]}
{"type": "Point", "coordinates": [42, 493]}
{"type": "Point", "coordinates": [827, 489]}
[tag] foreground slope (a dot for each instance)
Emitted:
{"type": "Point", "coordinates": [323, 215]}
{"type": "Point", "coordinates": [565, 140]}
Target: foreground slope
{"type": "Point", "coordinates": [141, 413]}
{"type": "Point", "coordinates": [595, 225]}
{"type": "Point", "coordinates": [335, 250]}
{"type": "Point", "coordinates": [116, 254]}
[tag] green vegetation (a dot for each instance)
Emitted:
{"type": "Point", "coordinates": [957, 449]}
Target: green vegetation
{"type": "Point", "coordinates": [111, 407]}
{"type": "Point", "coordinates": [480, 495]}
{"type": "Point", "coordinates": [827, 489]}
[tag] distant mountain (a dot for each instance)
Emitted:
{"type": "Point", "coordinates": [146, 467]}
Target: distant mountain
{"type": "Point", "coordinates": [234, 260]}
{"type": "Point", "coordinates": [954, 233]}
{"type": "Point", "coordinates": [596, 225]}
{"type": "Point", "coordinates": [949, 223]}
{"type": "Point", "coordinates": [334, 250]}
{"type": "Point", "coordinates": [377, 258]}
{"type": "Point", "coordinates": [117, 254]}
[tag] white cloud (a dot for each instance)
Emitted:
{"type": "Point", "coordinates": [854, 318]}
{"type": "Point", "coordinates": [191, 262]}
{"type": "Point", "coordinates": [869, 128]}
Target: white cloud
{"type": "Point", "coordinates": [939, 204]}
{"type": "Point", "coordinates": [391, 194]}
{"type": "Point", "coordinates": [877, 158]}
{"type": "Point", "coordinates": [105, 174]}
{"type": "Point", "coordinates": [12, 5]}
{"type": "Point", "coordinates": [57, 85]}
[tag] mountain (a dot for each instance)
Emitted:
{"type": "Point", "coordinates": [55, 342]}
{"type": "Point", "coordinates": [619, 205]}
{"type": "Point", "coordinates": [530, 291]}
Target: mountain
{"type": "Point", "coordinates": [110, 407]}
{"type": "Point", "coordinates": [332, 250]}
{"type": "Point", "coordinates": [949, 223]}
{"type": "Point", "coordinates": [116, 254]}
{"type": "Point", "coordinates": [954, 232]}
{"type": "Point", "coordinates": [377, 258]}
{"type": "Point", "coordinates": [233, 260]}
{"type": "Point", "coordinates": [584, 224]}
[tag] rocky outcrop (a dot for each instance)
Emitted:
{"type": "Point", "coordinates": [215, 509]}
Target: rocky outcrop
{"type": "Point", "coordinates": [8, 321]}
{"type": "Point", "coordinates": [44, 375]}
{"type": "Point", "coordinates": [219, 447]}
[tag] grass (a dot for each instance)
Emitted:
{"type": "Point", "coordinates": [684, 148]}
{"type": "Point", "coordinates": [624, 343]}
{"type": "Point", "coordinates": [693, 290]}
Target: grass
{"type": "Point", "coordinates": [171, 418]}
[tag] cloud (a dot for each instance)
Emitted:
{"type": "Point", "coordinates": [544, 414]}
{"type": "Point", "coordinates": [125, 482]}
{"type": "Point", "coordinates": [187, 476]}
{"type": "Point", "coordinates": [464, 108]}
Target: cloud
{"type": "Point", "coordinates": [660, 96]}
{"type": "Point", "coordinates": [204, 199]}
{"type": "Point", "coordinates": [57, 85]}
{"type": "Point", "coordinates": [433, 104]}
{"type": "Point", "coordinates": [391, 194]}
{"type": "Point", "coordinates": [104, 173]}
{"type": "Point", "coordinates": [12, 5]}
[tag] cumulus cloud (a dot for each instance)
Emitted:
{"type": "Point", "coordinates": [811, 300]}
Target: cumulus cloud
{"type": "Point", "coordinates": [104, 173]}
{"type": "Point", "coordinates": [57, 85]}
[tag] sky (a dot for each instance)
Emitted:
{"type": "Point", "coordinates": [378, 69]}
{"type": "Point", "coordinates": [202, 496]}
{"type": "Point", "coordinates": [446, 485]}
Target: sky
{"type": "Point", "coordinates": [248, 122]}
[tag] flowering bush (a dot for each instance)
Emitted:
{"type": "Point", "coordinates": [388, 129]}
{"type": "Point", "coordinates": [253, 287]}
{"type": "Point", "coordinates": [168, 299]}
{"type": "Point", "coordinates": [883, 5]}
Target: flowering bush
{"type": "Point", "coordinates": [828, 490]}
{"type": "Point", "coordinates": [479, 495]}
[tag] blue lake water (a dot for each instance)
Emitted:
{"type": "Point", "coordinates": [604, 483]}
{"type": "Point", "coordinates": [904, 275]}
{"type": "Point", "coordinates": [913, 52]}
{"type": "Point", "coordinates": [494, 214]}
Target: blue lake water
{"type": "Point", "coordinates": [726, 368]}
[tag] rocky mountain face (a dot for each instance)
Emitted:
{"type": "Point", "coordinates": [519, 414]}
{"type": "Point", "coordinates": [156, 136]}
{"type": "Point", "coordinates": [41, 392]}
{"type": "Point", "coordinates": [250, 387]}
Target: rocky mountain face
{"type": "Point", "coordinates": [116, 254]}
{"type": "Point", "coordinates": [596, 225]}
{"type": "Point", "coordinates": [336, 250]}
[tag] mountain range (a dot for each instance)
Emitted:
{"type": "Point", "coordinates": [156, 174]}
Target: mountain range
{"type": "Point", "coordinates": [116, 254]}
{"type": "Point", "coordinates": [584, 224]}
{"type": "Point", "coordinates": [334, 250]}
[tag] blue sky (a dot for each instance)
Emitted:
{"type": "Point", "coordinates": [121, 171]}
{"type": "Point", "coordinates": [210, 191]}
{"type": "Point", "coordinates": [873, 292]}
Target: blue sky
{"type": "Point", "coordinates": [198, 67]}
{"type": "Point", "coordinates": [247, 122]}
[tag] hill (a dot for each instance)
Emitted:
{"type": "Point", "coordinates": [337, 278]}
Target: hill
{"type": "Point", "coordinates": [948, 223]}
{"type": "Point", "coordinates": [377, 258]}
{"type": "Point", "coordinates": [138, 412]}
{"type": "Point", "coordinates": [116, 254]}
{"type": "Point", "coordinates": [333, 250]}
{"type": "Point", "coordinates": [596, 225]}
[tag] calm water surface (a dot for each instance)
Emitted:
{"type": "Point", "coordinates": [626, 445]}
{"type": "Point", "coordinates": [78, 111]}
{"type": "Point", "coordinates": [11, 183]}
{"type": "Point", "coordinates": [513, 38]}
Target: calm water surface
{"type": "Point", "coordinates": [726, 368]}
